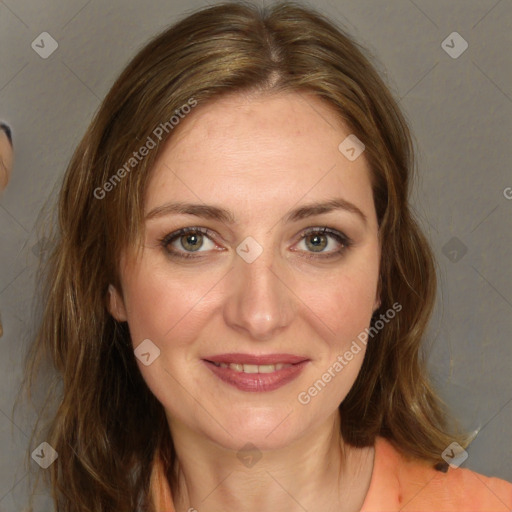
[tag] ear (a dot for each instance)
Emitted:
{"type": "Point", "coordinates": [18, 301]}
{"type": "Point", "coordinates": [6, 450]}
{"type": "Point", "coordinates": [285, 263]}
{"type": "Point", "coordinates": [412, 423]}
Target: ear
{"type": "Point", "coordinates": [116, 304]}
{"type": "Point", "coordinates": [377, 303]}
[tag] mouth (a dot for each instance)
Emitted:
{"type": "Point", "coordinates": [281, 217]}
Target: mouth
{"type": "Point", "coordinates": [256, 373]}
{"type": "Point", "coordinates": [252, 368]}
{"type": "Point", "coordinates": [251, 363]}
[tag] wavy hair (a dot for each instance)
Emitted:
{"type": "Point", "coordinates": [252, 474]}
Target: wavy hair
{"type": "Point", "coordinates": [106, 424]}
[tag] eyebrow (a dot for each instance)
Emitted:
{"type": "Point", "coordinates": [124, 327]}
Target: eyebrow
{"type": "Point", "coordinates": [227, 217]}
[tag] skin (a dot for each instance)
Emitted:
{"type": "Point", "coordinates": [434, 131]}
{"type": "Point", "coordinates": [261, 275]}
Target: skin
{"type": "Point", "coordinates": [260, 157]}
{"type": "Point", "coordinates": [6, 158]}
{"type": "Point", "coordinates": [5, 172]}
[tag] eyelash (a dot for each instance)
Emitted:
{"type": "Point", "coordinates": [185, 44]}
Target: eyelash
{"type": "Point", "coordinates": [341, 238]}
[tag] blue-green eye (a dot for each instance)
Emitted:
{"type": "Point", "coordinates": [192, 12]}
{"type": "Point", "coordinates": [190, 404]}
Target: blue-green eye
{"type": "Point", "coordinates": [190, 239]}
{"type": "Point", "coordinates": [185, 242]}
{"type": "Point", "coordinates": [317, 240]}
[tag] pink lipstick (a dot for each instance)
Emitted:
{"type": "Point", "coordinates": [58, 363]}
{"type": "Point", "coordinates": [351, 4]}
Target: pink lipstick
{"type": "Point", "coordinates": [256, 373]}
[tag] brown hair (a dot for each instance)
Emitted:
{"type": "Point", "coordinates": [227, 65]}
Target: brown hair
{"type": "Point", "coordinates": [108, 425]}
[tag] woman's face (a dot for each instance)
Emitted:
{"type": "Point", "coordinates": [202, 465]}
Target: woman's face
{"type": "Point", "coordinates": [5, 160]}
{"type": "Point", "coordinates": [257, 284]}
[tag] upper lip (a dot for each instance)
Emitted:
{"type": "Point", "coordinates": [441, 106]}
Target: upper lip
{"type": "Point", "coordinates": [256, 359]}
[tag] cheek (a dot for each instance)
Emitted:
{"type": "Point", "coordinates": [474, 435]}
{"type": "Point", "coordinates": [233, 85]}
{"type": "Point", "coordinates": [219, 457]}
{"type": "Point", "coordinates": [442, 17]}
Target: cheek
{"type": "Point", "coordinates": [163, 306]}
{"type": "Point", "coordinates": [343, 301]}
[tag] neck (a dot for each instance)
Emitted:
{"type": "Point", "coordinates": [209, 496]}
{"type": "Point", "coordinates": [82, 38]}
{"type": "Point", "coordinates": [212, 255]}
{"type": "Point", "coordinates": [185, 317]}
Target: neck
{"type": "Point", "coordinates": [315, 472]}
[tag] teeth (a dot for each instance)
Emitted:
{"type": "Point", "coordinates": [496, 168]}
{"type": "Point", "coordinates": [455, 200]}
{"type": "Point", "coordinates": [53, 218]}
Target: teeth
{"type": "Point", "coordinates": [254, 368]}
{"type": "Point", "coordinates": [267, 368]}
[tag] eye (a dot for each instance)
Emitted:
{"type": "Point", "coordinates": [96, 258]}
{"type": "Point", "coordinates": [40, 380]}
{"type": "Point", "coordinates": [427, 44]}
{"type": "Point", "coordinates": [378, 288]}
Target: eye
{"type": "Point", "coordinates": [188, 239]}
{"type": "Point", "coordinates": [316, 240]}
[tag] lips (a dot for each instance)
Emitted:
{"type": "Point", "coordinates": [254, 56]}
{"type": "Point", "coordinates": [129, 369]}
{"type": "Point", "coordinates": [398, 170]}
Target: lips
{"type": "Point", "coordinates": [259, 360]}
{"type": "Point", "coordinates": [256, 373]}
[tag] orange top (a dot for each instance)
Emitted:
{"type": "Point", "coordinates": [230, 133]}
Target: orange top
{"type": "Point", "coordinates": [401, 485]}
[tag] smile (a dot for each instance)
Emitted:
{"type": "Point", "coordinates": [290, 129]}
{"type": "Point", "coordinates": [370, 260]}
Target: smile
{"type": "Point", "coordinates": [253, 377]}
{"type": "Point", "coordinates": [253, 368]}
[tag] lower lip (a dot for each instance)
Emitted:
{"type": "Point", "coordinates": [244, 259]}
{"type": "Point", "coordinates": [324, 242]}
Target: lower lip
{"type": "Point", "coordinates": [257, 381]}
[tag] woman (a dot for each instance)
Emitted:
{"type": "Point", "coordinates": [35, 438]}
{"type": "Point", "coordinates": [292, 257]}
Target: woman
{"type": "Point", "coordinates": [237, 299]}
{"type": "Point", "coordinates": [6, 160]}
{"type": "Point", "coordinates": [6, 156]}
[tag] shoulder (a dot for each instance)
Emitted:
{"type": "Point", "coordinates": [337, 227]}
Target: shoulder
{"type": "Point", "coordinates": [159, 491]}
{"type": "Point", "coordinates": [412, 485]}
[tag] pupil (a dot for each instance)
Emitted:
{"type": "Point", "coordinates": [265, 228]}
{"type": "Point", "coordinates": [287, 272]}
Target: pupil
{"type": "Point", "coordinates": [192, 242]}
{"type": "Point", "coordinates": [317, 241]}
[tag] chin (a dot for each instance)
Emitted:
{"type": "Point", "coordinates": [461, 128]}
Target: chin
{"type": "Point", "coordinates": [263, 428]}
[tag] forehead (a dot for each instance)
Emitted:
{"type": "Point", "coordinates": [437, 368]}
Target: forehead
{"type": "Point", "coordinates": [258, 152]}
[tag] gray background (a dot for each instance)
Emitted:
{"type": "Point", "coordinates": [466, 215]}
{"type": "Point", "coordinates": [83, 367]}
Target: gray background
{"type": "Point", "coordinates": [459, 110]}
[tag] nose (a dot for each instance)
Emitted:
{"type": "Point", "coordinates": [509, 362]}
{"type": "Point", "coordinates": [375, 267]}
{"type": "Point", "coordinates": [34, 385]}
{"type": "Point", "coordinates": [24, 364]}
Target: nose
{"type": "Point", "coordinates": [260, 302]}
